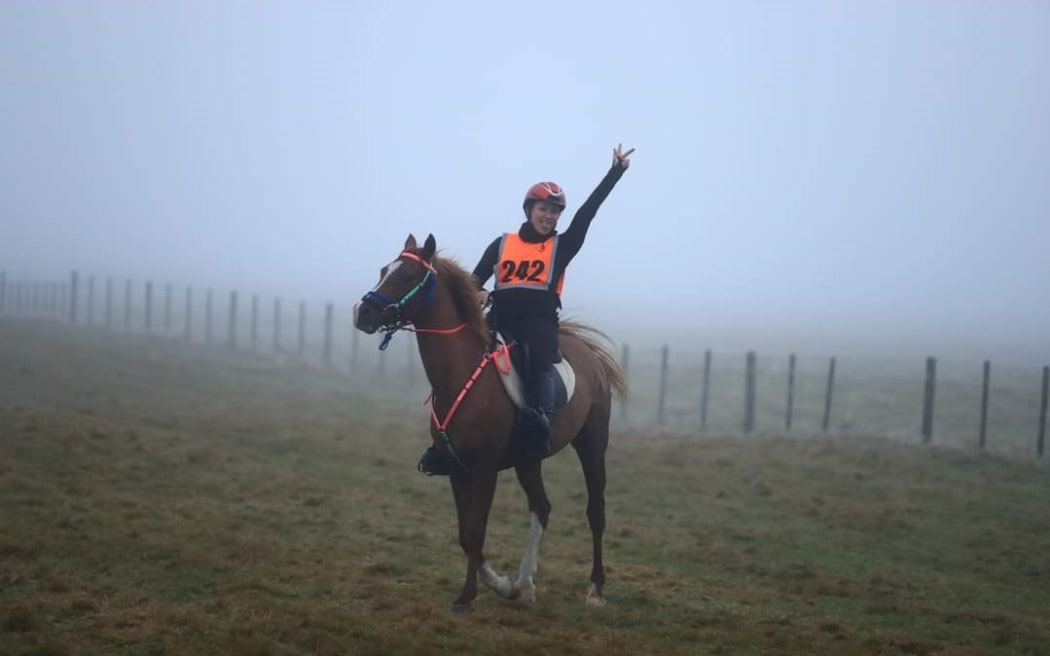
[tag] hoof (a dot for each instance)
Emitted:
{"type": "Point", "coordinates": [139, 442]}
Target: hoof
{"type": "Point", "coordinates": [460, 609]}
{"type": "Point", "coordinates": [595, 600]}
{"type": "Point", "coordinates": [594, 596]}
{"type": "Point", "coordinates": [527, 596]}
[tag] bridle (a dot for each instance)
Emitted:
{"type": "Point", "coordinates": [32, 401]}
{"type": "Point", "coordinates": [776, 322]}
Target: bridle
{"type": "Point", "coordinates": [383, 303]}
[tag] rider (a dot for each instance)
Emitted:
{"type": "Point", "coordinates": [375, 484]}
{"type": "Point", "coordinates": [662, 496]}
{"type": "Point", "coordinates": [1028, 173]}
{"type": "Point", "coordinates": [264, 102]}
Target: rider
{"type": "Point", "coordinates": [529, 266]}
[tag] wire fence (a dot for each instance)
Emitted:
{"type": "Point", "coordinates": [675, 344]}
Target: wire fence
{"type": "Point", "coordinates": [932, 401]}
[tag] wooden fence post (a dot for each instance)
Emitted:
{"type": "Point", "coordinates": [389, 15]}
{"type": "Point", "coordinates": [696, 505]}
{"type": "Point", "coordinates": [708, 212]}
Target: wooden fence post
{"type": "Point", "coordinates": [791, 392]}
{"type": "Point", "coordinates": [327, 354]}
{"type": "Point", "coordinates": [231, 334]}
{"type": "Point", "coordinates": [705, 390]}
{"type": "Point", "coordinates": [255, 322]}
{"type": "Point", "coordinates": [927, 401]}
{"type": "Point", "coordinates": [354, 338]}
{"type": "Point", "coordinates": [749, 393]}
{"type": "Point", "coordinates": [167, 309]}
{"type": "Point", "coordinates": [149, 306]}
{"type": "Point", "coordinates": [90, 319]}
{"type": "Point", "coordinates": [73, 286]}
{"type": "Point", "coordinates": [1042, 412]}
{"type": "Point", "coordinates": [828, 393]}
{"type": "Point", "coordinates": [276, 325]}
{"type": "Point", "coordinates": [985, 379]}
{"type": "Point", "coordinates": [127, 305]}
{"type": "Point", "coordinates": [663, 384]}
{"type": "Point", "coordinates": [208, 314]}
{"type": "Point", "coordinates": [109, 304]}
{"type": "Point", "coordinates": [302, 329]}
{"type": "Point", "coordinates": [188, 311]}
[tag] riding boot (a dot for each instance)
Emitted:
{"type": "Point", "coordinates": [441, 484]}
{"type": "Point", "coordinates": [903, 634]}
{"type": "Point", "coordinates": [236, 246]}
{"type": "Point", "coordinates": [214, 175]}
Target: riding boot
{"type": "Point", "coordinates": [542, 409]}
{"type": "Point", "coordinates": [432, 464]}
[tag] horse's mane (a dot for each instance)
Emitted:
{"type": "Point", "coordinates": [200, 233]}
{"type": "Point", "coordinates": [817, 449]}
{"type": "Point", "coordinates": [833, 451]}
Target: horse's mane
{"type": "Point", "coordinates": [464, 291]}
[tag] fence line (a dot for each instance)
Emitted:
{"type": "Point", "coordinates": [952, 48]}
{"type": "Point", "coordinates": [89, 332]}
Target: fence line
{"type": "Point", "coordinates": [322, 343]}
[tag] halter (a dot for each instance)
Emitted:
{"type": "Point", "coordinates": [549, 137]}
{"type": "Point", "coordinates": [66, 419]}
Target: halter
{"type": "Point", "coordinates": [384, 303]}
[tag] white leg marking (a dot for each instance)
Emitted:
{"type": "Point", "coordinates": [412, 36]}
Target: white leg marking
{"type": "Point", "coordinates": [593, 598]}
{"type": "Point", "coordinates": [530, 561]}
{"type": "Point", "coordinates": [501, 585]}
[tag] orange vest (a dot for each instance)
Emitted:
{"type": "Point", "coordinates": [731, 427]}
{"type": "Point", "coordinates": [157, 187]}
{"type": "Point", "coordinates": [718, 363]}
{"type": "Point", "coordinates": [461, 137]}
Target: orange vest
{"type": "Point", "coordinates": [524, 264]}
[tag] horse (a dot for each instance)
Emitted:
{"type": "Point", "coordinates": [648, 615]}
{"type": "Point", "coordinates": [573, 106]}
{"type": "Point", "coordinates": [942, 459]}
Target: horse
{"type": "Point", "coordinates": [473, 416]}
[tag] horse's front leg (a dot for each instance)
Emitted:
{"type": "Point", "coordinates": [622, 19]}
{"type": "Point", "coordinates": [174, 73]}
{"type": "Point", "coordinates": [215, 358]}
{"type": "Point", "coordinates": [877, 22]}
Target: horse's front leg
{"type": "Point", "coordinates": [530, 476]}
{"type": "Point", "coordinates": [473, 493]}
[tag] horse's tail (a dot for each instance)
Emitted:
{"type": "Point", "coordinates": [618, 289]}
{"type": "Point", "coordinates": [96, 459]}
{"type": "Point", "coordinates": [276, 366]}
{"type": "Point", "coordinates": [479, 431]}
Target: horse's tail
{"type": "Point", "coordinates": [592, 337]}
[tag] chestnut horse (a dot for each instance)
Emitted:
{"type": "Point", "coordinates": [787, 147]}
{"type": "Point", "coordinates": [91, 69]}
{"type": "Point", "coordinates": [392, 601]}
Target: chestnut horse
{"type": "Point", "coordinates": [473, 415]}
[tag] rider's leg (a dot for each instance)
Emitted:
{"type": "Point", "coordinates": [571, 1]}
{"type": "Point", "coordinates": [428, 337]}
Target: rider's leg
{"type": "Point", "coordinates": [543, 346]}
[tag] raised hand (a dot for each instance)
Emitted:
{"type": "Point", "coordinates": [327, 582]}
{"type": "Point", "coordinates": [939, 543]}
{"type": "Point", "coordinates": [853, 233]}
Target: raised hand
{"type": "Point", "coordinates": [621, 158]}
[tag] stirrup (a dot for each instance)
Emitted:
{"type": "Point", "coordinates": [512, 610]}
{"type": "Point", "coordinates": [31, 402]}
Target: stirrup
{"type": "Point", "coordinates": [432, 464]}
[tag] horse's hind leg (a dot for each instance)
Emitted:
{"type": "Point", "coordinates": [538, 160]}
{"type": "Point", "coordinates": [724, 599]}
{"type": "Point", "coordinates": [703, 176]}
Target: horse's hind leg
{"type": "Point", "coordinates": [530, 476]}
{"type": "Point", "coordinates": [591, 444]}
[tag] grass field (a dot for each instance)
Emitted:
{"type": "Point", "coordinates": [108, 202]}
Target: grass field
{"type": "Point", "coordinates": [159, 498]}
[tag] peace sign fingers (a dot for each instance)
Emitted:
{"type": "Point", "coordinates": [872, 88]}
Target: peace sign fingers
{"type": "Point", "coordinates": [621, 158]}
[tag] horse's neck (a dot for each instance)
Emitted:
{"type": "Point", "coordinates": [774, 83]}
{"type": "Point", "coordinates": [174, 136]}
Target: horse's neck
{"type": "Point", "coordinates": [449, 358]}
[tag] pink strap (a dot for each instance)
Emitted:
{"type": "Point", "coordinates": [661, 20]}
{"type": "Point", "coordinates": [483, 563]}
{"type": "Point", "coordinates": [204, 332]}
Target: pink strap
{"type": "Point", "coordinates": [494, 356]}
{"type": "Point", "coordinates": [413, 256]}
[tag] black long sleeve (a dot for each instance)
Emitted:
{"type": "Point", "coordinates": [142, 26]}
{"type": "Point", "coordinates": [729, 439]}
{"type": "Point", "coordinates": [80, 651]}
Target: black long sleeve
{"type": "Point", "coordinates": [572, 239]}
{"type": "Point", "coordinates": [487, 263]}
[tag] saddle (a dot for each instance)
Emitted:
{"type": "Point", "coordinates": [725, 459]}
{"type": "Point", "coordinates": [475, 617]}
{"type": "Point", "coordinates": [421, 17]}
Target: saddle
{"type": "Point", "coordinates": [524, 447]}
{"type": "Point", "coordinates": [564, 380]}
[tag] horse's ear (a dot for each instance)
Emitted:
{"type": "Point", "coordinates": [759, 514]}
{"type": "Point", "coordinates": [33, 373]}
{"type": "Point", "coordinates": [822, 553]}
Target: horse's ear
{"type": "Point", "coordinates": [410, 242]}
{"type": "Point", "coordinates": [428, 248]}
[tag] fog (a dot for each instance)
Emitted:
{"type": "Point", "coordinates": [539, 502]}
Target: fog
{"type": "Point", "coordinates": [809, 175]}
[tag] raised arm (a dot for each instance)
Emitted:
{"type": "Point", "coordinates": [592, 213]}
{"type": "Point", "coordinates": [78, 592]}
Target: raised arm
{"type": "Point", "coordinates": [572, 239]}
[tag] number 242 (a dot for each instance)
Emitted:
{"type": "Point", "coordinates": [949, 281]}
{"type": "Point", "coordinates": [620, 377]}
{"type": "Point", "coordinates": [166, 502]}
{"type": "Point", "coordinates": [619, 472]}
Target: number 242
{"type": "Point", "coordinates": [523, 270]}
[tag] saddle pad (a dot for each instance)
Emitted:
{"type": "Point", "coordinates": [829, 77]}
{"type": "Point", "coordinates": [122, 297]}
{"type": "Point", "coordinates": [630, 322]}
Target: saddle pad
{"type": "Point", "coordinates": [564, 381]}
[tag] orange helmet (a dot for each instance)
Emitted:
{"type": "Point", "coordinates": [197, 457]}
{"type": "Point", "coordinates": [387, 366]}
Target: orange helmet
{"type": "Point", "coordinates": [550, 192]}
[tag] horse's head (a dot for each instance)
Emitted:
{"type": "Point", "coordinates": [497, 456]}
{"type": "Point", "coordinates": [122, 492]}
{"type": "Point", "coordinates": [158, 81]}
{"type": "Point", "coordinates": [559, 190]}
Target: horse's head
{"type": "Point", "coordinates": [405, 286]}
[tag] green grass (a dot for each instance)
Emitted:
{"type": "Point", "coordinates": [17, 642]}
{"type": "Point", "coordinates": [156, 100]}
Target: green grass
{"type": "Point", "coordinates": [163, 499]}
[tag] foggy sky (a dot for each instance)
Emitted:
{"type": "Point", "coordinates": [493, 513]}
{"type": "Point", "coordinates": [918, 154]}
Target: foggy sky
{"type": "Point", "coordinates": [875, 173]}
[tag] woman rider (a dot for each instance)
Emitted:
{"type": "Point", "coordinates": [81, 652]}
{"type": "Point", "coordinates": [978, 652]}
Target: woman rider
{"type": "Point", "coordinates": [529, 267]}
